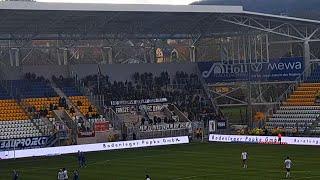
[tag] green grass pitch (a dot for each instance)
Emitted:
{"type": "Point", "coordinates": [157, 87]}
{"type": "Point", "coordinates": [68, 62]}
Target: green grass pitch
{"type": "Point", "coordinates": [195, 161]}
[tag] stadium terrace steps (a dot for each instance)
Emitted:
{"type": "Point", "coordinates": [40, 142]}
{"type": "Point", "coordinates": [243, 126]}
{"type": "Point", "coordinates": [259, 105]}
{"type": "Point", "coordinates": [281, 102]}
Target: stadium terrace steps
{"type": "Point", "coordinates": [83, 104]}
{"type": "Point", "coordinates": [299, 107]}
{"type": "Point", "coordinates": [308, 92]}
{"type": "Point", "coordinates": [66, 88]}
{"type": "Point", "coordinates": [299, 112]}
{"type": "Point", "coordinates": [293, 111]}
{"type": "Point", "coordinates": [298, 103]}
{"type": "Point", "coordinates": [301, 99]}
{"type": "Point", "coordinates": [310, 85]}
{"type": "Point", "coordinates": [308, 88]}
{"type": "Point", "coordinates": [296, 115]}
{"type": "Point", "coordinates": [302, 96]}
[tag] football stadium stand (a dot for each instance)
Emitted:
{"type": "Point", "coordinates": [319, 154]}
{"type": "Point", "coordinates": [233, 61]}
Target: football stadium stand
{"type": "Point", "coordinates": [78, 107]}
{"type": "Point", "coordinates": [30, 112]}
{"type": "Point", "coordinates": [15, 123]}
{"type": "Point", "coordinates": [186, 101]}
{"type": "Point", "coordinates": [56, 59]}
{"type": "Point", "coordinates": [300, 112]}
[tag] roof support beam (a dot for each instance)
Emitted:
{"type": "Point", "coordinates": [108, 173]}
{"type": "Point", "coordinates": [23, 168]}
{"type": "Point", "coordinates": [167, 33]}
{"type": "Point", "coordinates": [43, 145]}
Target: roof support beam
{"type": "Point", "coordinates": [293, 41]}
{"type": "Point", "coordinates": [313, 33]}
{"type": "Point", "coordinates": [220, 95]}
{"type": "Point", "coordinates": [249, 25]}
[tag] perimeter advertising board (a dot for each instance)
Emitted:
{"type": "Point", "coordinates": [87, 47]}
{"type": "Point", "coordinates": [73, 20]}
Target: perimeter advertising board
{"type": "Point", "coordinates": [282, 69]}
{"type": "Point", "coordinates": [53, 151]}
{"type": "Point", "coordinates": [308, 141]}
{"type": "Point", "coordinates": [23, 143]}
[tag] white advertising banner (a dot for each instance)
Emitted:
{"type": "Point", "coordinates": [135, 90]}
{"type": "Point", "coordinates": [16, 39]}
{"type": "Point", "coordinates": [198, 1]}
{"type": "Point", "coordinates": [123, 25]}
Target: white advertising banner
{"type": "Point", "coordinates": [142, 101]}
{"type": "Point", "coordinates": [309, 141]}
{"type": "Point", "coordinates": [52, 151]}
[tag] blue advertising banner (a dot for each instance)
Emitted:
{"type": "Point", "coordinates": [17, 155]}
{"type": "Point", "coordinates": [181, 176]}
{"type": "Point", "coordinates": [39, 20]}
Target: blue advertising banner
{"type": "Point", "coordinates": [283, 69]}
{"type": "Point", "coordinates": [23, 143]}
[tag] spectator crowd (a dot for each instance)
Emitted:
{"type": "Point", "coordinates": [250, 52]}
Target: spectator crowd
{"type": "Point", "coordinates": [183, 90]}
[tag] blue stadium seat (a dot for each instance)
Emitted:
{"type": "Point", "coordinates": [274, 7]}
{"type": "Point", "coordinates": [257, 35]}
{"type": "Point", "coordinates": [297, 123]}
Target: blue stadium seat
{"type": "Point", "coordinates": [4, 94]}
{"type": "Point", "coordinates": [68, 86]}
{"type": "Point", "coordinates": [314, 75]}
{"type": "Point", "coordinates": [30, 88]}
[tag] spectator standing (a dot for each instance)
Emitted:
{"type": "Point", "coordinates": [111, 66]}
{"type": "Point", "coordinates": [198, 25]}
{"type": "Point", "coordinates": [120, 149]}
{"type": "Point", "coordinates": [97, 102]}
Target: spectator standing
{"type": "Point", "coordinates": [15, 175]}
{"type": "Point", "coordinates": [75, 175]}
{"type": "Point", "coordinates": [198, 133]}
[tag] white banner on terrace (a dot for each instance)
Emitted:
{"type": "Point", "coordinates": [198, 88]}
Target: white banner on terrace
{"type": "Point", "coordinates": [141, 101]}
{"type": "Point", "coordinates": [52, 151]}
{"type": "Point", "coordinates": [308, 141]}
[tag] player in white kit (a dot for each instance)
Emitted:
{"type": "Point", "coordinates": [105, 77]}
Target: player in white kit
{"type": "Point", "coordinates": [288, 164]}
{"type": "Point", "coordinates": [244, 157]}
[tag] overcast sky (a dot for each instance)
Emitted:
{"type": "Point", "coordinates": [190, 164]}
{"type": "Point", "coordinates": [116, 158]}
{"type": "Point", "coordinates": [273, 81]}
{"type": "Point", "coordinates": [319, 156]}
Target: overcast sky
{"type": "Point", "coordinates": [175, 2]}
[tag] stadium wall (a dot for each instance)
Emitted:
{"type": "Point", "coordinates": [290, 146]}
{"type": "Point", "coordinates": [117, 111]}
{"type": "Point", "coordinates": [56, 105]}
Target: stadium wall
{"type": "Point", "coordinates": [122, 72]}
{"type": "Point", "coordinates": [116, 72]}
{"type": "Point", "coordinates": [47, 71]}
{"type": "Point", "coordinates": [11, 73]}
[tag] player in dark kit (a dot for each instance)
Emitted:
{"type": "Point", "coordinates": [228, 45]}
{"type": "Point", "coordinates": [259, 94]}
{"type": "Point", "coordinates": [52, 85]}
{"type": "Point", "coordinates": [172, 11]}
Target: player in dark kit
{"type": "Point", "coordinates": [83, 160]}
{"type": "Point", "coordinates": [79, 159]}
{"type": "Point", "coordinates": [15, 175]}
{"type": "Point", "coordinates": [279, 138]}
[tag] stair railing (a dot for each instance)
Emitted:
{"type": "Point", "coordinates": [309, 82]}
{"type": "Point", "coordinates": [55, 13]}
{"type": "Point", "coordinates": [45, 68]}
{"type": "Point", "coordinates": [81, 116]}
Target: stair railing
{"type": "Point", "coordinates": [207, 90]}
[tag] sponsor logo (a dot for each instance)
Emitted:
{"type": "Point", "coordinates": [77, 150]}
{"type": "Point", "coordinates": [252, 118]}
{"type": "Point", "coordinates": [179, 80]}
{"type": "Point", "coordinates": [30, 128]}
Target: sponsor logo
{"type": "Point", "coordinates": [220, 69]}
{"type": "Point", "coordinates": [272, 70]}
{"type": "Point", "coordinates": [285, 66]}
{"type": "Point", "coordinates": [257, 67]}
{"type": "Point", "coordinates": [31, 142]}
{"type": "Point", "coordinates": [86, 134]}
{"type": "Point", "coordinates": [312, 141]}
{"type": "Point", "coordinates": [221, 125]}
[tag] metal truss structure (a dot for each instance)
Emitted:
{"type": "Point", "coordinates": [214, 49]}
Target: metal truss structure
{"type": "Point", "coordinates": [56, 33]}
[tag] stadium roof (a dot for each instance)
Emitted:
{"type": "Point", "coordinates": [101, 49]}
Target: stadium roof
{"type": "Point", "coordinates": [16, 5]}
{"type": "Point", "coordinates": [38, 20]}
